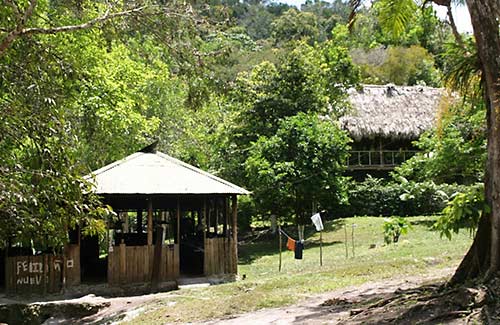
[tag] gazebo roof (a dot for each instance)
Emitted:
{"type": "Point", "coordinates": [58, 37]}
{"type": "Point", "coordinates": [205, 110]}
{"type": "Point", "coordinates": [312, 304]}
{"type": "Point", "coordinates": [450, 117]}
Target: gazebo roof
{"type": "Point", "coordinates": [157, 173]}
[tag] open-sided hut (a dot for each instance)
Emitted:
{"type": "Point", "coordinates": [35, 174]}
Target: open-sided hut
{"type": "Point", "coordinates": [384, 121]}
{"type": "Point", "coordinates": [173, 219]}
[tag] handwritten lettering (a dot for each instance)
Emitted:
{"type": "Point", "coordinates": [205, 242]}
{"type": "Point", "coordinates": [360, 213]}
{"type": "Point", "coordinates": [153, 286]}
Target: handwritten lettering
{"type": "Point", "coordinates": [30, 267]}
{"type": "Point", "coordinates": [31, 280]}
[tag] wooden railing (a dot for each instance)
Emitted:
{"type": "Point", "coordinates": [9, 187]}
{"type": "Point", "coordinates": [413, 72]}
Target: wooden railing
{"type": "Point", "coordinates": [376, 159]}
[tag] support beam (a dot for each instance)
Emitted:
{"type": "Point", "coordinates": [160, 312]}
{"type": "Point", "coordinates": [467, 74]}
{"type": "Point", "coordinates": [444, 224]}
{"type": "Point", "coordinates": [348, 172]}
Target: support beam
{"type": "Point", "coordinates": [178, 213]}
{"type": "Point", "coordinates": [226, 216]}
{"type": "Point", "coordinates": [150, 222]}
{"type": "Point", "coordinates": [139, 221]}
{"type": "Point", "coordinates": [235, 233]}
{"type": "Point", "coordinates": [157, 260]}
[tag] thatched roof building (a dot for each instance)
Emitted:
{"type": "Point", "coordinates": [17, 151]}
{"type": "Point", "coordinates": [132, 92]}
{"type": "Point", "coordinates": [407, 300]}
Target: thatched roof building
{"type": "Point", "coordinates": [392, 112]}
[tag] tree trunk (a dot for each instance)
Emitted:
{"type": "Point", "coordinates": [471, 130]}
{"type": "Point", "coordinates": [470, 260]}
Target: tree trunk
{"type": "Point", "coordinates": [483, 256]}
{"type": "Point", "coordinates": [274, 223]}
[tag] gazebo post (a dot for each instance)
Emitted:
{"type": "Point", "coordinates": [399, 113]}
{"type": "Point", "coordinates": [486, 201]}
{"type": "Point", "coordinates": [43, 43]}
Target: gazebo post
{"type": "Point", "coordinates": [227, 240]}
{"type": "Point", "coordinates": [150, 222]}
{"type": "Point", "coordinates": [178, 221]}
{"type": "Point", "coordinates": [205, 230]}
{"type": "Point", "coordinates": [235, 234]}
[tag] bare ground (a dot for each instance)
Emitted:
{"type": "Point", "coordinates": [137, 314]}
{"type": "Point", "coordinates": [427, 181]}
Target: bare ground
{"type": "Point", "coordinates": [419, 299]}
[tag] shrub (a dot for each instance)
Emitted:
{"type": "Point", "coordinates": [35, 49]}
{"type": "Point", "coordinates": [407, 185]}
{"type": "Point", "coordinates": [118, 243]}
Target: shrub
{"type": "Point", "coordinates": [378, 197]}
{"type": "Point", "coordinates": [393, 228]}
{"type": "Point", "coordinates": [463, 210]}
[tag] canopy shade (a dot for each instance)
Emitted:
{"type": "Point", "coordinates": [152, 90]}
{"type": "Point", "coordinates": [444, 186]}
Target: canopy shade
{"type": "Point", "coordinates": [157, 173]}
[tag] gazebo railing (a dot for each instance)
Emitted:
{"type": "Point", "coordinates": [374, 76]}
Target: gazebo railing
{"type": "Point", "coordinates": [366, 159]}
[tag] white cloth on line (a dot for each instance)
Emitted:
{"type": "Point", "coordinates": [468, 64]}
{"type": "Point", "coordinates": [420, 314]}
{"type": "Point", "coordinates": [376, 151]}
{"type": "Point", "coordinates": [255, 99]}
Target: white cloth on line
{"type": "Point", "coordinates": [316, 219]}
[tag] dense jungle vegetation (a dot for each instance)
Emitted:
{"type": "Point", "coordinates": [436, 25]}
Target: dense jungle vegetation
{"type": "Point", "coordinates": [248, 90]}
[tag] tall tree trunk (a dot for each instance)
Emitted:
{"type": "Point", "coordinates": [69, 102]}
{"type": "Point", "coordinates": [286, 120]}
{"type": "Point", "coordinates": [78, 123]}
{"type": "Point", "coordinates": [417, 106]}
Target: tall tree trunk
{"type": "Point", "coordinates": [484, 254]}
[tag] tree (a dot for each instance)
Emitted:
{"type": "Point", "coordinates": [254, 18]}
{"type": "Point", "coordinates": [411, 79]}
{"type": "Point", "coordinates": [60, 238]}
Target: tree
{"type": "Point", "coordinates": [483, 258]}
{"type": "Point", "coordinates": [484, 255]}
{"type": "Point", "coordinates": [20, 20]}
{"type": "Point", "coordinates": [296, 25]}
{"type": "Point", "coordinates": [453, 152]}
{"type": "Point", "coordinates": [399, 65]}
{"type": "Point", "coordinates": [301, 165]}
{"type": "Point", "coordinates": [77, 92]}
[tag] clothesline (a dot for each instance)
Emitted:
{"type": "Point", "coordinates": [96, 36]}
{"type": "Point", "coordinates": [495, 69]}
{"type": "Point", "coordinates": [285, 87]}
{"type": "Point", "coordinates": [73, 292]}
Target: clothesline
{"type": "Point", "coordinates": [288, 236]}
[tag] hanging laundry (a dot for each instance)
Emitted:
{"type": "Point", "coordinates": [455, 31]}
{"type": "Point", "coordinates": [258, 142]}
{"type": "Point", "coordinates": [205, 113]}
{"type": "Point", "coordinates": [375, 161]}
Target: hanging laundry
{"type": "Point", "coordinates": [299, 247]}
{"type": "Point", "coordinates": [316, 219]}
{"type": "Point", "coordinates": [290, 244]}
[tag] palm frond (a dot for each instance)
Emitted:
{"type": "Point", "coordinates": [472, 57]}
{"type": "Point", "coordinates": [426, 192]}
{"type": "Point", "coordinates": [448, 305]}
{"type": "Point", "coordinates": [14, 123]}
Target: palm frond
{"type": "Point", "coordinates": [462, 70]}
{"type": "Point", "coordinates": [394, 15]}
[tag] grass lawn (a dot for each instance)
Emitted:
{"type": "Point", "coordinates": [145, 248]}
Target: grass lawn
{"type": "Point", "coordinates": [416, 253]}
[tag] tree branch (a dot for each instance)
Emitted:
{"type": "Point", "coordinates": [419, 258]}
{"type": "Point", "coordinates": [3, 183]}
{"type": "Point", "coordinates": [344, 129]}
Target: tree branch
{"type": "Point", "coordinates": [71, 28]}
{"type": "Point", "coordinates": [21, 31]}
{"type": "Point", "coordinates": [454, 29]}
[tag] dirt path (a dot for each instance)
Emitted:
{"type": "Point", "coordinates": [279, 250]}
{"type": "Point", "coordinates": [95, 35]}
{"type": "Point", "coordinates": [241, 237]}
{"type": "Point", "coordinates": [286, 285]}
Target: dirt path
{"type": "Point", "coordinates": [336, 307]}
{"type": "Point", "coordinates": [343, 306]}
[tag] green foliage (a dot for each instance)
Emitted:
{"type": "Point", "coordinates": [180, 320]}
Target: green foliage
{"type": "Point", "coordinates": [394, 15]}
{"type": "Point", "coordinates": [71, 102]}
{"type": "Point", "coordinates": [299, 165]}
{"type": "Point", "coordinates": [394, 227]}
{"type": "Point", "coordinates": [462, 70]}
{"type": "Point", "coordinates": [375, 196]}
{"type": "Point", "coordinates": [453, 152]}
{"type": "Point", "coordinates": [295, 25]}
{"type": "Point", "coordinates": [398, 65]}
{"type": "Point", "coordinates": [462, 211]}
{"type": "Point", "coordinates": [306, 79]}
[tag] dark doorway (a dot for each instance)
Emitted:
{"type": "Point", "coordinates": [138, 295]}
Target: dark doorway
{"type": "Point", "coordinates": [191, 243]}
{"type": "Point", "coordinates": [93, 268]}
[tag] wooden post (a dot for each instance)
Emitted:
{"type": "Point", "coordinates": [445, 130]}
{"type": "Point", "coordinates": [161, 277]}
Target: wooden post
{"type": "Point", "coordinates": [150, 222]}
{"type": "Point", "coordinates": [139, 221]}
{"type": "Point", "coordinates": [178, 214]}
{"type": "Point", "coordinates": [208, 214]}
{"type": "Point", "coordinates": [381, 155]}
{"type": "Point", "coordinates": [125, 221]}
{"type": "Point", "coordinates": [346, 249]}
{"type": "Point", "coordinates": [352, 239]}
{"type": "Point", "coordinates": [227, 241]}
{"type": "Point", "coordinates": [64, 252]}
{"type": "Point", "coordinates": [157, 262]}
{"type": "Point", "coordinates": [279, 236]}
{"type": "Point", "coordinates": [235, 233]}
{"type": "Point", "coordinates": [203, 221]}
{"type": "Point", "coordinates": [321, 248]}
{"type": "Point", "coordinates": [123, 263]}
{"type": "Point", "coordinates": [226, 213]}
{"type": "Point", "coordinates": [216, 215]}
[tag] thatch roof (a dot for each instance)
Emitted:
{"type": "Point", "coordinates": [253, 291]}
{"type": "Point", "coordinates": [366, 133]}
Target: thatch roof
{"type": "Point", "coordinates": [154, 172]}
{"type": "Point", "coordinates": [394, 112]}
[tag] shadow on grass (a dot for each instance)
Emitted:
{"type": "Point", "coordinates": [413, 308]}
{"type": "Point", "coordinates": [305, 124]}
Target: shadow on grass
{"type": "Point", "coordinates": [425, 223]}
{"type": "Point", "coordinates": [268, 243]}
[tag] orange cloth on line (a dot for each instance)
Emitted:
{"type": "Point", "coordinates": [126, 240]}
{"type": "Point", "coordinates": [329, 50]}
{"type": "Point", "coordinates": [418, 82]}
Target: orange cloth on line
{"type": "Point", "coordinates": [290, 244]}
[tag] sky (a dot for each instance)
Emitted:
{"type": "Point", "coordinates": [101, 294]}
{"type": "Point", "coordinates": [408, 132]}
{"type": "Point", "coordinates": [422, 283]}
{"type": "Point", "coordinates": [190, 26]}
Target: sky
{"type": "Point", "coordinates": [460, 13]}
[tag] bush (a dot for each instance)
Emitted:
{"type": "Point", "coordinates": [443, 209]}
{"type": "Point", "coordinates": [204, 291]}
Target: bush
{"type": "Point", "coordinates": [393, 228]}
{"type": "Point", "coordinates": [463, 210]}
{"type": "Point", "coordinates": [379, 197]}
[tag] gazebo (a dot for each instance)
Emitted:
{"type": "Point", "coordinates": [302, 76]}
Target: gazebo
{"type": "Point", "coordinates": [172, 219]}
